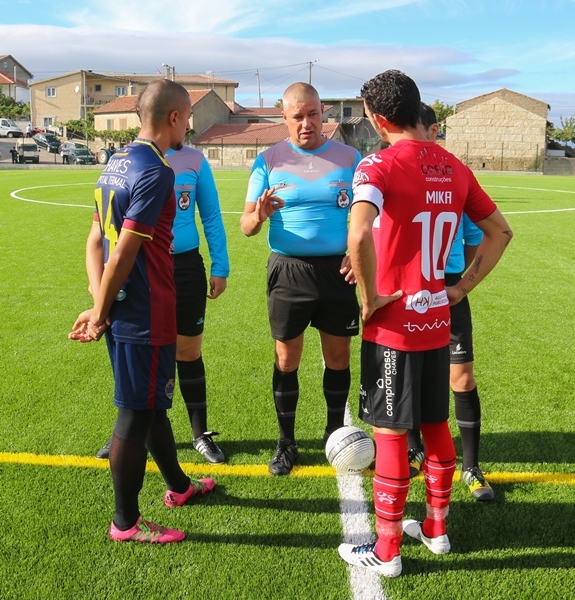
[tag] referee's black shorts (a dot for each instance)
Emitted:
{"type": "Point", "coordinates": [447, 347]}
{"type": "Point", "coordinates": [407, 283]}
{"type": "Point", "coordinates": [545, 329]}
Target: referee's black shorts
{"type": "Point", "coordinates": [461, 337]}
{"type": "Point", "coordinates": [191, 292]}
{"type": "Point", "coordinates": [310, 290]}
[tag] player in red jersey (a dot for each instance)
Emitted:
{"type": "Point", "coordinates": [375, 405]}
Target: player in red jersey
{"type": "Point", "coordinates": [408, 201]}
{"type": "Point", "coordinates": [131, 280]}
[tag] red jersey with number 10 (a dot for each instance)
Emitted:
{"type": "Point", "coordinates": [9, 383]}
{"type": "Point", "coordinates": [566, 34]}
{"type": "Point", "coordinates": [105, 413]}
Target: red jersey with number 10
{"type": "Point", "coordinates": [420, 191]}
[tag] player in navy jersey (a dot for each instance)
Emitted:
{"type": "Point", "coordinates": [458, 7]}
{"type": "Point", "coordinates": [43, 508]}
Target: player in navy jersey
{"type": "Point", "coordinates": [461, 377]}
{"type": "Point", "coordinates": [408, 200]}
{"type": "Point", "coordinates": [303, 186]}
{"type": "Point", "coordinates": [195, 186]}
{"type": "Point", "coordinates": [130, 270]}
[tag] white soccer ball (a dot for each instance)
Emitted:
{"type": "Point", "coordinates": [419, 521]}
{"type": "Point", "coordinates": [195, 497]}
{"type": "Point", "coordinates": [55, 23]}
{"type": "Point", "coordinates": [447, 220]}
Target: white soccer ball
{"type": "Point", "coordinates": [349, 450]}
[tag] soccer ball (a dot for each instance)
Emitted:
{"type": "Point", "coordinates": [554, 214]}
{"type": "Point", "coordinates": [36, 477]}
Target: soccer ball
{"type": "Point", "coordinates": [349, 450]}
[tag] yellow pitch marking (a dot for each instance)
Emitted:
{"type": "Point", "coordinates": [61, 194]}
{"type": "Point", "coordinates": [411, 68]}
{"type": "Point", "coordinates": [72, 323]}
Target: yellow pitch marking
{"type": "Point", "coordinates": [260, 470]}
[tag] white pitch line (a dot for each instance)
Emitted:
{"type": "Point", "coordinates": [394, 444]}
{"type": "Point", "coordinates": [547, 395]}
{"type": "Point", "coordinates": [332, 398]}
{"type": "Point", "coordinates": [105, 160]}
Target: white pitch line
{"type": "Point", "coordinates": [365, 584]}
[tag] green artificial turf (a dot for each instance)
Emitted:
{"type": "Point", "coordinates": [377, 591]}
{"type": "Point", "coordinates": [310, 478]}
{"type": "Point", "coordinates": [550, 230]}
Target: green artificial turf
{"type": "Point", "coordinates": [262, 537]}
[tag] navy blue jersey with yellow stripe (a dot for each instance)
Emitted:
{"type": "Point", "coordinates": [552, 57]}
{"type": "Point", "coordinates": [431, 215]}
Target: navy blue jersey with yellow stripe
{"type": "Point", "coordinates": [135, 193]}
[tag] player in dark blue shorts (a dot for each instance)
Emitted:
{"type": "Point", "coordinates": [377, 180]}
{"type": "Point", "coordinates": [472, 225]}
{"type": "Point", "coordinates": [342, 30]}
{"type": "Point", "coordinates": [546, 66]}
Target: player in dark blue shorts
{"type": "Point", "coordinates": [130, 270]}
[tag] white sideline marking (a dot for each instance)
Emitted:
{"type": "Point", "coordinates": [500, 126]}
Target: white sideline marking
{"type": "Point", "coordinates": [365, 584]}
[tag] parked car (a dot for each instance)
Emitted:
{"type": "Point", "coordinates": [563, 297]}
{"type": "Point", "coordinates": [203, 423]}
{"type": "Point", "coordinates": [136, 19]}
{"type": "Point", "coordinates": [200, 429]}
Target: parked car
{"type": "Point", "coordinates": [46, 141]}
{"type": "Point", "coordinates": [79, 154]}
{"type": "Point", "coordinates": [28, 152]}
{"type": "Point", "coordinates": [9, 129]}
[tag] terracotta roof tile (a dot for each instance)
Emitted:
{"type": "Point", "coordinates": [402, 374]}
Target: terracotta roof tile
{"type": "Point", "coordinates": [265, 134]}
{"type": "Point", "coordinates": [123, 104]}
{"type": "Point", "coordinates": [248, 111]}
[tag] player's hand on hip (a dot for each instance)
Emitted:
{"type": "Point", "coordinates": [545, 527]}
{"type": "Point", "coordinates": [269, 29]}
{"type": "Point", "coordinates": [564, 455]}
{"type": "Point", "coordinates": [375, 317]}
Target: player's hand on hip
{"type": "Point", "coordinates": [367, 310]}
{"type": "Point", "coordinates": [455, 295]}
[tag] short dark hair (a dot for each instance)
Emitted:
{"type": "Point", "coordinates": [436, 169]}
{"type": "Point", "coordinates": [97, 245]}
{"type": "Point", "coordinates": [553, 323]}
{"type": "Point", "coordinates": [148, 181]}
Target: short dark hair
{"type": "Point", "coordinates": [394, 96]}
{"type": "Point", "coordinates": [158, 99]}
{"type": "Point", "coordinates": [427, 116]}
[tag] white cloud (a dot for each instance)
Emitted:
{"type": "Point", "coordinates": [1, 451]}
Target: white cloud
{"type": "Point", "coordinates": [174, 16]}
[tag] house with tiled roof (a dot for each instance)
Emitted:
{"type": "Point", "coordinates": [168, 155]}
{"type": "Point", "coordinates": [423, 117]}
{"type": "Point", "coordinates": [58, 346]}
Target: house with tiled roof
{"type": "Point", "coordinates": [14, 78]}
{"type": "Point", "coordinates": [207, 108]}
{"type": "Point", "coordinates": [237, 145]}
{"type": "Point", "coordinates": [242, 114]}
{"type": "Point", "coordinates": [72, 95]}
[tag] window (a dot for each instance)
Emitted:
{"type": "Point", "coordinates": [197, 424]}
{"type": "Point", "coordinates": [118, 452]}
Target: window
{"type": "Point", "coordinates": [98, 87]}
{"type": "Point", "coordinates": [50, 92]}
{"type": "Point", "coordinates": [251, 153]}
{"type": "Point", "coordinates": [347, 111]}
{"type": "Point", "coordinates": [123, 124]}
{"type": "Point", "coordinates": [109, 124]}
{"type": "Point", "coordinates": [120, 90]}
{"type": "Point", "coordinates": [213, 153]}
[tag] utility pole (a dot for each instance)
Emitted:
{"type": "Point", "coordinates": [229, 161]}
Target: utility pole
{"type": "Point", "coordinates": [259, 89]}
{"type": "Point", "coordinates": [310, 66]}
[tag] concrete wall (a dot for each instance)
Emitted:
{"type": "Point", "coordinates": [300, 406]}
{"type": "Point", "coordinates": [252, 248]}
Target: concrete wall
{"type": "Point", "coordinates": [559, 166]}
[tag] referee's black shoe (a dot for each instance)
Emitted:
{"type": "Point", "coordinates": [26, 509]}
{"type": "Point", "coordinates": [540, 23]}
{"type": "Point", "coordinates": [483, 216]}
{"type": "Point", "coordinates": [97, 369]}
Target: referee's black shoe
{"type": "Point", "coordinates": [206, 446]}
{"type": "Point", "coordinates": [285, 457]}
{"type": "Point", "coordinates": [104, 451]}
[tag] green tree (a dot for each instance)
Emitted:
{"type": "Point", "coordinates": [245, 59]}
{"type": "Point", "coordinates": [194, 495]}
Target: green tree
{"type": "Point", "coordinates": [10, 109]}
{"type": "Point", "coordinates": [566, 133]}
{"type": "Point", "coordinates": [442, 111]}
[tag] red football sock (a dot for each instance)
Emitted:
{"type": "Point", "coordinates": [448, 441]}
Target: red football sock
{"type": "Point", "coordinates": [438, 468]}
{"type": "Point", "coordinates": [390, 488]}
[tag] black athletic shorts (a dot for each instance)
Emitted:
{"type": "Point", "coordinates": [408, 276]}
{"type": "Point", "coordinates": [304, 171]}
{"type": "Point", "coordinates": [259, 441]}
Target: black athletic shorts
{"type": "Point", "coordinates": [191, 292]}
{"type": "Point", "coordinates": [401, 390]}
{"type": "Point", "coordinates": [461, 337]}
{"type": "Point", "coordinates": [310, 290]}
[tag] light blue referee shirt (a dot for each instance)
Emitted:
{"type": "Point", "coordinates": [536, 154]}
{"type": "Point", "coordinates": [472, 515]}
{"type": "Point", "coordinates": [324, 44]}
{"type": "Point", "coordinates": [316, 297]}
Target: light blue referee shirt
{"type": "Point", "coordinates": [467, 234]}
{"type": "Point", "coordinates": [316, 187]}
{"type": "Point", "coordinates": [195, 185]}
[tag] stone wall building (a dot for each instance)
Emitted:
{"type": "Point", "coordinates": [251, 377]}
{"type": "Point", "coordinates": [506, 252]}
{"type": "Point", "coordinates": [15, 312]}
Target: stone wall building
{"type": "Point", "coordinates": [499, 131]}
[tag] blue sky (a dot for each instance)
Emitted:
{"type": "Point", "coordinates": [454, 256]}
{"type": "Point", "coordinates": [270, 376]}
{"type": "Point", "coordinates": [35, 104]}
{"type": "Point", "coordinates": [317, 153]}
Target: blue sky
{"type": "Point", "coordinates": [454, 49]}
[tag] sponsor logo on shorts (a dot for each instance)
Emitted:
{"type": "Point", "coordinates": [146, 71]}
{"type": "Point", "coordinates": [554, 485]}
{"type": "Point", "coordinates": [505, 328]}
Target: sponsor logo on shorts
{"type": "Point", "coordinates": [424, 300]}
{"type": "Point", "coordinates": [362, 397]}
{"type": "Point", "coordinates": [385, 383]}
{"type": "Point", "coordinates": [170, 389]}
{"type": "Point", "coordinates": [200, 321]}
{"type": "Point", "coordinates": [458, 350]}
{"type": "Point", "coordinates": [353, 325]}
